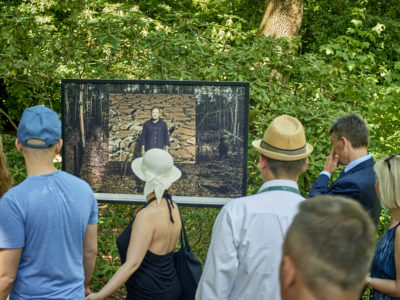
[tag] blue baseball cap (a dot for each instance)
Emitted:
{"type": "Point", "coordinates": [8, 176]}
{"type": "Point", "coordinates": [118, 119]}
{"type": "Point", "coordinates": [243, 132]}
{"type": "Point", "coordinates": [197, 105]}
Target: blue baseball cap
{"type": "Point", "coordinates": [39, 122]}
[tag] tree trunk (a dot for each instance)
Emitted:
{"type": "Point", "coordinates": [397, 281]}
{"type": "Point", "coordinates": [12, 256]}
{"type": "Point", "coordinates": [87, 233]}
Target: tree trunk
{"type": "Point", "coordinates": [281, 18]}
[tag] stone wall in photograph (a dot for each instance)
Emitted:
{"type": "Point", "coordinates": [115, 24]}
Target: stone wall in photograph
{"type": "Point", "coordinates": [128, 112]}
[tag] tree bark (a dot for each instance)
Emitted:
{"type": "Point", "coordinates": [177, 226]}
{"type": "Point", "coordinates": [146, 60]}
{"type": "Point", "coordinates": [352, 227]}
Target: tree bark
{"type": "Point", "coordinates": [81, 116]}
{"type": "Point", "coordinates": [281, 18]}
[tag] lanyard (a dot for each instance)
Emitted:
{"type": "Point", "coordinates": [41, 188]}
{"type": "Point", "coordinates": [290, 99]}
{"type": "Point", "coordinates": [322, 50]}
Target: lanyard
{"type": "Point", "coordinates": [281, 188]}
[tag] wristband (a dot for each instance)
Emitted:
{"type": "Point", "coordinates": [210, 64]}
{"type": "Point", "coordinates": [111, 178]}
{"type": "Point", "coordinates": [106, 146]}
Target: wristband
{"type": "Point", "coordinates": [369, 281]}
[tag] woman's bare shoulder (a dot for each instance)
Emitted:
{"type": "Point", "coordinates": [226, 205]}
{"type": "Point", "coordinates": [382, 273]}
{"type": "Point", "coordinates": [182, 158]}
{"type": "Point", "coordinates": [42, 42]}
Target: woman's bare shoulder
{"type": "Point", "coordinates": [149, 212]}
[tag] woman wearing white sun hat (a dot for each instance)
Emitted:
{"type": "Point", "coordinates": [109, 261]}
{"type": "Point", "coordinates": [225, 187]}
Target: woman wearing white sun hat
{"type": "Point", "coordinates": [147, 244]}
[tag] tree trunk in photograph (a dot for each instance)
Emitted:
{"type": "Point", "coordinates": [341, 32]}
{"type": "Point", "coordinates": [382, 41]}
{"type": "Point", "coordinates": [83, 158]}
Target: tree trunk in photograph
{"type": "Point", "coordinates": [81, 117]}
{"type": "Point", "coordinates": [281, 18]}
{"type": "Point", "coordinates": [235, 123]}
{"type": "Point", "coordinates": [66, 105]}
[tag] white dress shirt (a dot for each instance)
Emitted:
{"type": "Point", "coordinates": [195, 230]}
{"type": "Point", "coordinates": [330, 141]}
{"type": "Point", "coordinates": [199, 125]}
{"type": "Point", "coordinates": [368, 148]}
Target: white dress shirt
{"type": "Point", "coordinates": [246, 245]}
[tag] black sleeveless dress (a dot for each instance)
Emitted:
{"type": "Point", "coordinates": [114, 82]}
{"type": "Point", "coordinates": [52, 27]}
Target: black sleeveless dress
{"type": "Point", "coordinates": [156, 277]}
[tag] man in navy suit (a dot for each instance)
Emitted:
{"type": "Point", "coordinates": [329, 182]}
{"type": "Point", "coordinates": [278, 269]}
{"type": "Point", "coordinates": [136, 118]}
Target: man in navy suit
{"type": "Point", "coordinates": [350, 137]}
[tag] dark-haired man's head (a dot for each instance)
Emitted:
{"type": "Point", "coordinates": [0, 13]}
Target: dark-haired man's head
{"type": "Point", "coordinates": [350, 138]}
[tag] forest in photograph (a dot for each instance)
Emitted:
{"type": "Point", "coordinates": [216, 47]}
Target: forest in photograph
{"type": "Point", "coordinates": [331, 58]}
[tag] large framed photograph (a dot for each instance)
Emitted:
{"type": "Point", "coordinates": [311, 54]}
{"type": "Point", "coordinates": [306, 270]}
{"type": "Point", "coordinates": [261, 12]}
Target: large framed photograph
{"type": "Point", "coordinates": [203, 125]}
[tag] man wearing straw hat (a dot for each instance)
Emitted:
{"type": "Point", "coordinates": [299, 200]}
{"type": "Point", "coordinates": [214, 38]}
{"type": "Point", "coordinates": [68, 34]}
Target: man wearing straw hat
{"type": "Point", "coordinates": [245, 250]}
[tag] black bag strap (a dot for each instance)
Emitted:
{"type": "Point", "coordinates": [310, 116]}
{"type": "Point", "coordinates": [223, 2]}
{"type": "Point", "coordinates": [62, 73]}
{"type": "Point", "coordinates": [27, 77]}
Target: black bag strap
{"type": "Point", "coordinates": [184, 239]}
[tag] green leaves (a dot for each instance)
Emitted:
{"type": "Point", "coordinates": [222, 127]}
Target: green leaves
{"type": "Point", "coordinates": [15, 159]}
{"type": "Point", "coordinates": [346, 60]}
{"type": "Point", "coordinates": [356, 23]}
{"type": "Point", "coordinates": [356, 67]}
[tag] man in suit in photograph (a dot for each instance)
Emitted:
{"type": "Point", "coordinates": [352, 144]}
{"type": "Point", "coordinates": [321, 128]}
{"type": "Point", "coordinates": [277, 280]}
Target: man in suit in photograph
{"type": "Point", "coordinates": [154, 133]}
{"type": "Point", "coordinates": [350, 138]}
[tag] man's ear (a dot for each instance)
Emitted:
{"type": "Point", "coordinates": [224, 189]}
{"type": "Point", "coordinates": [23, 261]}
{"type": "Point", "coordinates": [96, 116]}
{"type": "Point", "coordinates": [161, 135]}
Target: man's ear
{"type": "Point", "coordinates": [345, 142]}
{"type": "Point", "coordinates": [262, 161]}
{"type": "Point", "coordinates": [18, 145]}
{"type": "Point", "coordinates": [59, 145]}
{"type": "Point", "coordinates": [288, 272]}
{"type": "Point", "coordinates": [305, 166]}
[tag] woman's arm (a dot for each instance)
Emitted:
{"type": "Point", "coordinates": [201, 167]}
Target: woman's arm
{"type": "Point", "coordinates": [387, 286]}
{"type": "Point", "coordinates": [141, 236]}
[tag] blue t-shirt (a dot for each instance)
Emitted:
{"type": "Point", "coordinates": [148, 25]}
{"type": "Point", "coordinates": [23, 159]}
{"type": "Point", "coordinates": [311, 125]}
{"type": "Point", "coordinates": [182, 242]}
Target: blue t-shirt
{"type": "Point", "coordinates": [47, 216]}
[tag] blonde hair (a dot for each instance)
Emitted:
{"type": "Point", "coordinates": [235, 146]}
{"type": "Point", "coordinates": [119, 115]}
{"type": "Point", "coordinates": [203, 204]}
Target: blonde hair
{"type": "Point", "coordinates": [5, 179]}
{"type": "Point", "coordinates": [389, 181]}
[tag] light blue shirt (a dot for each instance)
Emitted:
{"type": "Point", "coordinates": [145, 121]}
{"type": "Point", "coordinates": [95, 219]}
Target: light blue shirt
{"type": "Point", "coordinates": [47, 217]}
{"type": "Point", "coordinates": [350, 165]}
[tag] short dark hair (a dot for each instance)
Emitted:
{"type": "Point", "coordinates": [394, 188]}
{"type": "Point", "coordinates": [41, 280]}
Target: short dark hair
{"type": "Point", "coordinates": [353, 128]}
{"type": "Point", "coordinates": [332, 241]}
{"type": "Point", "coordinates": [291, 168]}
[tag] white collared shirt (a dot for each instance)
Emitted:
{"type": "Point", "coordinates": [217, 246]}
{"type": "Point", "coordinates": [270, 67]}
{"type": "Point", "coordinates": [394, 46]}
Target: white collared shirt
{"type": "Point", "coordinates": [246, 245]}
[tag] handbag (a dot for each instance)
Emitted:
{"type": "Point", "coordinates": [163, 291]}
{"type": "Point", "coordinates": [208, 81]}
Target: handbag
{"type": "Point", "coordinates": [188, 267]}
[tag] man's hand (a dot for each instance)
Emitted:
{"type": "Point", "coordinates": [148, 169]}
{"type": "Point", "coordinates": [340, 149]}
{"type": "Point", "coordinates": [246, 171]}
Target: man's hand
{"type": "Point", "coordinates": [93, 296]}
{"type": "Point", "coordinates": [331, 162]}
{"type": "Point", "coordinates": [87, 291]}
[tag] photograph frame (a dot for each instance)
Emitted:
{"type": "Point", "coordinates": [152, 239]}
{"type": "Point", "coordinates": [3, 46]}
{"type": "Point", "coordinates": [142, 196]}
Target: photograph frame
{"type": "Point", "coordinates": [207, 123]}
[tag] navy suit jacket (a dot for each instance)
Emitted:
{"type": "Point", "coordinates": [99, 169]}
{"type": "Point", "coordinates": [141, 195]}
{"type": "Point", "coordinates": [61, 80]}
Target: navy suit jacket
{"type": "Point", "coordinates": [358, 184]}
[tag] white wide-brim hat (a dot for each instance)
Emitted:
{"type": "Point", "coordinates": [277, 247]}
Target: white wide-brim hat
{"type": "Point", "coordinates": [157, 169]}
{"type": "Point", "coordinates": [284, 140]}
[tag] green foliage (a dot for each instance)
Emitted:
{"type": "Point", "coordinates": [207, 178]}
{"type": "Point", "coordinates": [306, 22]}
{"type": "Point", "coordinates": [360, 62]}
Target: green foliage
{"type": "Point", "coordinates": [112, 221]}
{"type": "Point", "coordinates": [16, 164]}
{"type": "Point", "coordinates": [355, 68]}
{"type": "Point", "coordinates": [346, 60]}
{"type": "Point", "coordinates": [384, 221]}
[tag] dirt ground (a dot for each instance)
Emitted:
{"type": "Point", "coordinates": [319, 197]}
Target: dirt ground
{"type": "Point", "coordinates": [212, 177]}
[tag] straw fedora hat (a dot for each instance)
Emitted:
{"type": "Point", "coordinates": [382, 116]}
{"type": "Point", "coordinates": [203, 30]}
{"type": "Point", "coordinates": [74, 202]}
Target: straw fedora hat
{"type": "Point", "coordinates": [157, 169]}
{"type": "Point", "coordinates": [284, 140]}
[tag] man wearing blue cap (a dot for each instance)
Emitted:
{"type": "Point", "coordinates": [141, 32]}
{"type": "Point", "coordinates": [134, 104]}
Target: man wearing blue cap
{"type": "Point", "coordinates": [48, 223]}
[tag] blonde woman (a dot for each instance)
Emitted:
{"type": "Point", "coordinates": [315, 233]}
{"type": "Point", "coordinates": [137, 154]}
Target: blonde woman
{"type": "Point", "coordinates": [385, 271]}
{"type": "Point", "coordinates": [5, 179]}
{"type": "Point", "coordinates": [147, 244]}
